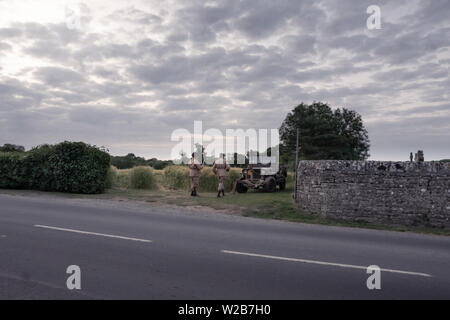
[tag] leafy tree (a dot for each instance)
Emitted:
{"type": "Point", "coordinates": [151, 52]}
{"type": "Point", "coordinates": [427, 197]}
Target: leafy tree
{"type": "Point", "coordinates": [158, 164]}
{"type": "Point", "coordinates": [324, 134]}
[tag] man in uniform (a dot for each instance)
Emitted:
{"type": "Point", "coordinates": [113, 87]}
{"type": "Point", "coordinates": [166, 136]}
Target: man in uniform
{"type": "Point", "coordinates": [221, 168]}
{"type": "Point", "coordinates": [194, 174]}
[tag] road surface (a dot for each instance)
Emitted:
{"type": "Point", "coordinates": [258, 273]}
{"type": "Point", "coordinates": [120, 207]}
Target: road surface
{"type": "Point", "coordinates": [129, 250]}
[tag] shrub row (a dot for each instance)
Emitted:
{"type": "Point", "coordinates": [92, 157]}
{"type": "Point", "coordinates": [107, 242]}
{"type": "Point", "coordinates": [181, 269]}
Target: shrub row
{"type": "Point", "coordinates": [66, 167]}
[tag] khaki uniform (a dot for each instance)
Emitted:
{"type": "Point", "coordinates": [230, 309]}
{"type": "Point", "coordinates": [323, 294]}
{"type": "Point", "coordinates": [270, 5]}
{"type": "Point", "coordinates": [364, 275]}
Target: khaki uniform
{"type": "Point", "coordinates": [194, 173]}
{"type": "Point", "coordinates": [221, 168]}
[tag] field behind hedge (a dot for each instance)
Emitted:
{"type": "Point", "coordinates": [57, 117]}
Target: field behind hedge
{"type": "Point", "coordinates": [172, 178]}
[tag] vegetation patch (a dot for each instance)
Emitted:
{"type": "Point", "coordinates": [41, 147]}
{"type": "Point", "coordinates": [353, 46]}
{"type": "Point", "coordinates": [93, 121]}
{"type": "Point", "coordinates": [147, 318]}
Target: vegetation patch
{"type": "Point", "coordinates": [142, 178]}
{"type": "Point", "coordinates": [177, 178]}
{"type": "Point", "coordinates": [73, 167]}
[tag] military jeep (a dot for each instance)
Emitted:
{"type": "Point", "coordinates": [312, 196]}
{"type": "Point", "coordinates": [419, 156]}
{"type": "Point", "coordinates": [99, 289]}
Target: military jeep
{"type": "Point", "coordinates": [262, 176]}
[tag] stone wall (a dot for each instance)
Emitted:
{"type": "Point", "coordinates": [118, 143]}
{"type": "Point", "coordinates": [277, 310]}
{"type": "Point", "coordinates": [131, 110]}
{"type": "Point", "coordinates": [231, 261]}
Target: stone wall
{"type": "Point", "coordinates": [398, 193]}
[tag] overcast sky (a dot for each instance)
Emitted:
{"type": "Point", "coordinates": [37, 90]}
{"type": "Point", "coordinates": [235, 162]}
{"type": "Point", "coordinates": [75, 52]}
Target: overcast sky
{"type": "Point", "coordinates": [133, 71]}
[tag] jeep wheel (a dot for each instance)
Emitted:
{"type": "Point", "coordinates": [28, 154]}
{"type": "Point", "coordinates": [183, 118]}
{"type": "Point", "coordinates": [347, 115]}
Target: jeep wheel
{"type": "Point", "coordinates": [240, 188]}
{"type": "Point", "coordinates": [270, 185]}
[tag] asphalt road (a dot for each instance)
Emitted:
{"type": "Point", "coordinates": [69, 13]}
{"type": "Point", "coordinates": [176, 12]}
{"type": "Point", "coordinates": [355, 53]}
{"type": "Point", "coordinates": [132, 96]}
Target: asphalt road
{"type": "Point", "coordinates": [146, 251]}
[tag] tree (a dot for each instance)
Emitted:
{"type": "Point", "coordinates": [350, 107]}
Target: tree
{"type": "Point", "coordinates": [158, 164]}
{"type": "Point", "coordinates": [11, 148]}
{"type": "Point", "coordinates": [324, 134]}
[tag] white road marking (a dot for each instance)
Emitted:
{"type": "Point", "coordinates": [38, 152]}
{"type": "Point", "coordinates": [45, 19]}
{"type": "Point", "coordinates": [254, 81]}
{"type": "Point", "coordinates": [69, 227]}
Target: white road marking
{"type": "Point", "coordinates": [324, 263]}
{"type": "Point", "coordinates": [91, 233]}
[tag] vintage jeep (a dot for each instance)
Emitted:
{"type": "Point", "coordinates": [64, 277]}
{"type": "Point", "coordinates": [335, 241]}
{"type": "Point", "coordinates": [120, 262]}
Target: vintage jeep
{"type": "Point", "coordinates": [262, 176]}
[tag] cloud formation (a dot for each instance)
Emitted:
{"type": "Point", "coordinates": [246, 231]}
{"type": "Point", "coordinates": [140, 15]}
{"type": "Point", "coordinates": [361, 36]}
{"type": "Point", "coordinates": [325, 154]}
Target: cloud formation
{"type": "Point", "coordinates": [137, 70]}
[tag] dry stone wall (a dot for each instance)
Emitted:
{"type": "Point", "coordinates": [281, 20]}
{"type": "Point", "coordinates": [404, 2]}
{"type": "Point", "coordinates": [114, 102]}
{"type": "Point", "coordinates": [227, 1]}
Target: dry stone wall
{"type": "Point", "coordinates": [398, 193]}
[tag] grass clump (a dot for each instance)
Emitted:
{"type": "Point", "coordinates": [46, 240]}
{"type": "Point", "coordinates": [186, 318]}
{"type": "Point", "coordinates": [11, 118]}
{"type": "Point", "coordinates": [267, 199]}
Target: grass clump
{"type": "Point", "coordinates": [142, 178]}
{"type": "Point", "coordinates": [176, 177]}
{"type": "Point", "coordinates": [111, 177]}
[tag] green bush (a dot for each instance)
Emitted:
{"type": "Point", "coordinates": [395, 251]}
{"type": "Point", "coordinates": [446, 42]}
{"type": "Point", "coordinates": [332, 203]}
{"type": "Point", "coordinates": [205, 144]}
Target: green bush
{"type": "Point", "coordinates": [66, 167]}
{"type": "Point", "coordinates": [142, 178]}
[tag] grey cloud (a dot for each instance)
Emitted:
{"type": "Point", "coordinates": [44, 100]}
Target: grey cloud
{"type": "Point", "coordinates": [10, 32]}
{"type": "Point", "coordinates": [430, 109]}
{"type": "Point", "coordinates": [428, 70]}
{"type": "Point", "coordinates": [201, 23]}
{"type": "Point", "coordinates": [263, 18]}
{"type": "Point", "coordinates": [107, 73]}
{"type": "Point", "coordinates": [411, 46]}
{"type": "Point", "coordinates": [52, 50]}
{"type": "Point", "coordinates": [57, 76]}
{"type": "Point", "coordinates": [195, 68]}
{"type": "Point", "coordinates": [134, 15]}
{"type": "Point", "coordinates": [175, 70]}
{"type": "Point", "coordinates": [150, 49]}
{"type": "Point", "coordinates": [206, 103]}
{"type": "Point", "coordinates": [148, 74]}
{"type": "Point", "coordinates": [5, 46]}
{"type": "Point", "coordinates": [429, 13]}
{"type": "Point", "coordinates": [300, 45]}
{"type": "Point", "coordinates": [116, 50]}
{"type": "Point", "coordinates": [16, 95]}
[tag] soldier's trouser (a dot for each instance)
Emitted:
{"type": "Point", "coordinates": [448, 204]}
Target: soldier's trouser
{"type": "Point", "coordinates": [194, 183]}
{"type": "Point", "coordinates": [221, 184]}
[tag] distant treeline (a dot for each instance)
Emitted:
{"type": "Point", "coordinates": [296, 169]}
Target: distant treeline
{"type": "Point", "coordinates": [120, 162]}
{"type": "Point", "coordinates": [12, 148]}
{"type": "Point", "coordinates": [130, 161]}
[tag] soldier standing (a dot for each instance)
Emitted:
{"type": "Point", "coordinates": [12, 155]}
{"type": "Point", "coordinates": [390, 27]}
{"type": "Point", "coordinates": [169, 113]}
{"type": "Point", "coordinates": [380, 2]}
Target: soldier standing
{"type": "Point", "coordinates": [194, 173]}
{"type": "Point", "coordinates": [221, 168]}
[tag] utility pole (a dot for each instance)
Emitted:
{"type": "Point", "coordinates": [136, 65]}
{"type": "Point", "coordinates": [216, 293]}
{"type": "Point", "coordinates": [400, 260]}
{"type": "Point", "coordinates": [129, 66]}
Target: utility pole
{"type": "Point", "coordinates": [296, 164]}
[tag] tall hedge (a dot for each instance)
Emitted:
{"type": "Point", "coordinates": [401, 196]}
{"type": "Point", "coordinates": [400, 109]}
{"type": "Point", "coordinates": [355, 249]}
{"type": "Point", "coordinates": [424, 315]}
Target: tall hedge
{"type": "Point", "coordinates": [66, 167]}
{"type": "Point", "coordinates": [11, 170]}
